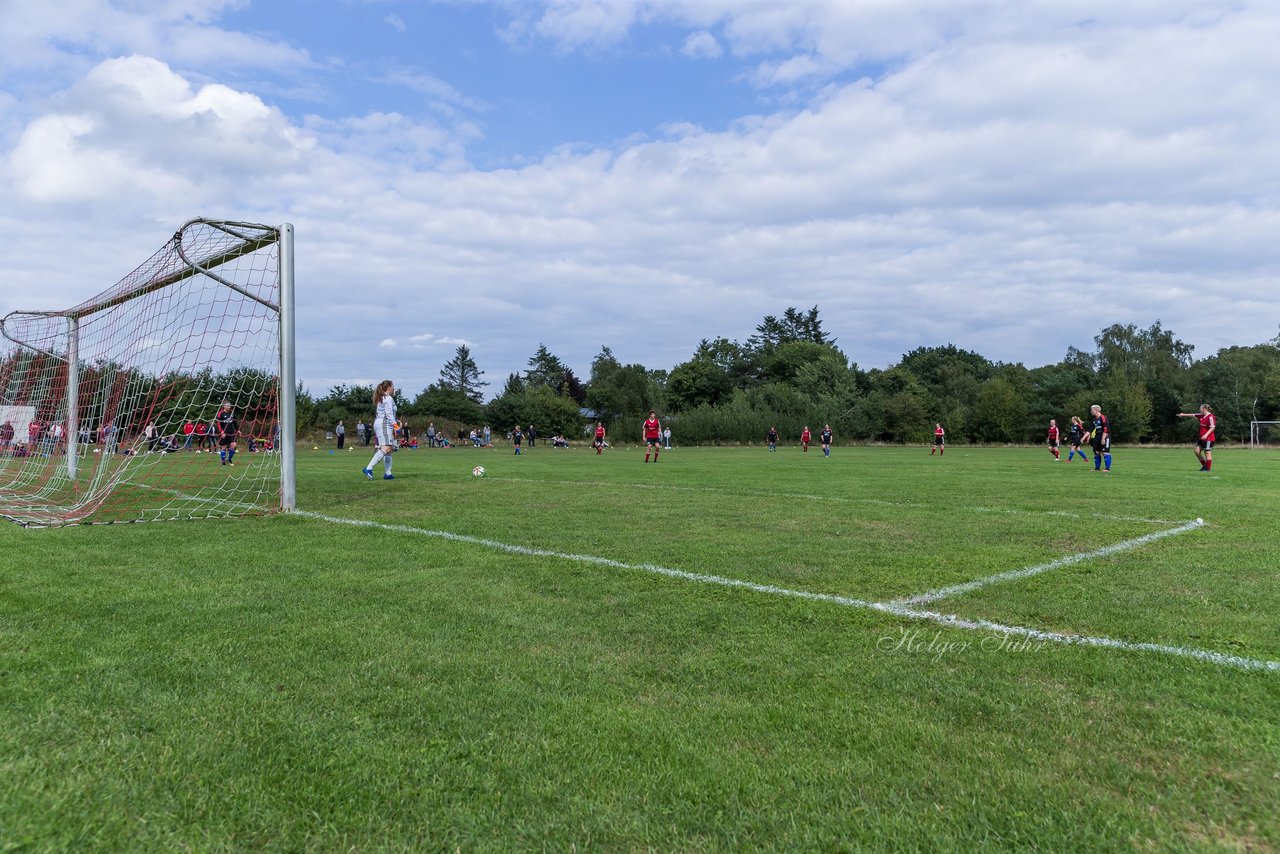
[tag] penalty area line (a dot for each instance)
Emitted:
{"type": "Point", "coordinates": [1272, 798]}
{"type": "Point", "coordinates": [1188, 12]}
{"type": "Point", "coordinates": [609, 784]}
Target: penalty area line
{"type": "Point", "coordinates": [1027, 572]}
{"type": "Point", "coordinates": [896, 609]}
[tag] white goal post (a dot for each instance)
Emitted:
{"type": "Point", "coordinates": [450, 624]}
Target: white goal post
{"type": "Point", "coordinates": [1264, 434]}
{"type": "Point", "coordinates": [167, 396]}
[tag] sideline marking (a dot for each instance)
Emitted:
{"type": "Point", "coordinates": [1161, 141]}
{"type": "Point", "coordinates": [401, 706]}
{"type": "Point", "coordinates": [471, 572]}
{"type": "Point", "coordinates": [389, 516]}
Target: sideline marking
{"type": "Point", "coordinates": [897, 609]}
{"type": "Point", "coordinates": [1027, 572]}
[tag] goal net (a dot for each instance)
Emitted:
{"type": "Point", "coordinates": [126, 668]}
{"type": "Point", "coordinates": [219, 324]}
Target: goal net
{"type": "Point", "coordinates": [109, 410]}
{"type": "Point", "coordinates": [1264, 434]}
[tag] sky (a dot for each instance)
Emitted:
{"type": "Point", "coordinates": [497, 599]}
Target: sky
{"type": "Point", "coordinates": [1007, 177]}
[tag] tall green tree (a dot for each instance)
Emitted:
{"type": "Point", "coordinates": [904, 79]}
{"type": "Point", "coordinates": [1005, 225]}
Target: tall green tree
{"type": "Point", "coordinates": [545, 370]}
{"type": "Point", "coordinates": [461, 375]}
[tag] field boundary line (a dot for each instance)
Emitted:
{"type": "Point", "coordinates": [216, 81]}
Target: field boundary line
{"type": "Point", "coordinates": [896, 609]}
{"type": "Point", "coordinates": [1209, 656]}
{"type": "Point", "coordinates": [1039, 569]}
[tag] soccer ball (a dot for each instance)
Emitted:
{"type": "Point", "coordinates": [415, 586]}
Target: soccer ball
{"type": "Point", "coordinates": [478, 471]}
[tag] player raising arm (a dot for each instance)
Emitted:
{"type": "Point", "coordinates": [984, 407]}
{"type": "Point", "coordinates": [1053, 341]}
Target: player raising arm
{"type": "Point", "coordinates": [384, 428]}
{"type": "Point", "coordinates": [1204, 443]}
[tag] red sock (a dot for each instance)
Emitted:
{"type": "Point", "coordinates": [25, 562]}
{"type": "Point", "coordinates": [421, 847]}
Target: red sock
{"type": "Point", "coordinates": [646, 458]}
{"type": "Point", "coordinates": [1208, 464]}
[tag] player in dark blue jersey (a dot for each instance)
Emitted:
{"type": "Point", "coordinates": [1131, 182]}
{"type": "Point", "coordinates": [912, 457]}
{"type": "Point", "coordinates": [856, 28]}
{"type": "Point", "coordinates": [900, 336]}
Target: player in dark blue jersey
{"type": "Point", "coordinates": [1077, 434]}
{"type": "Point", "coordinates": [1100, 436]}
{"type": "Point", "coordinates": [227, 428]}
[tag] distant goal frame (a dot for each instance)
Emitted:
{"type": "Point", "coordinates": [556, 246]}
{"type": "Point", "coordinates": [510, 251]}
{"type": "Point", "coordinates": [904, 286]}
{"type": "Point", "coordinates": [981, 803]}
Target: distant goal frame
{"type": "Point", "coordinates": [1255, 441]}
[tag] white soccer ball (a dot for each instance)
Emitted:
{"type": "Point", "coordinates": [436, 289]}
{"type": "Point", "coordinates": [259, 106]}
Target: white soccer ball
{"type": "Point", "coordinates": [478, 471]}
{"type": "Point", "coordinates": [96, 451]}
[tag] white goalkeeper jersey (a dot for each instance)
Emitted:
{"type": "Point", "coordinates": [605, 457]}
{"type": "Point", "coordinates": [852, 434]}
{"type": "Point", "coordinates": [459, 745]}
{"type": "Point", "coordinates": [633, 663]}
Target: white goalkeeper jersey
{"type": "Point", "coordinates": [384, 421]}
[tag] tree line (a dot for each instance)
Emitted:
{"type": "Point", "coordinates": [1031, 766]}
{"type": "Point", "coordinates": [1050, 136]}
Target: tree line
{"type": "Point", "coordinates": [790, 373]}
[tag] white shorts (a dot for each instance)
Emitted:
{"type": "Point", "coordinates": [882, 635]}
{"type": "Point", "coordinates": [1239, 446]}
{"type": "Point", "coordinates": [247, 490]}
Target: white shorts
{"type": "Point", "coordinates": [386, 433]}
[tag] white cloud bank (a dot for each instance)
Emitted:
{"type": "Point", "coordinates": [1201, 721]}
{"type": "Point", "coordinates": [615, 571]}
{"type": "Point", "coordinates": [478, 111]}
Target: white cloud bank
{"type": "Point", "coordinates": [1010, 178]}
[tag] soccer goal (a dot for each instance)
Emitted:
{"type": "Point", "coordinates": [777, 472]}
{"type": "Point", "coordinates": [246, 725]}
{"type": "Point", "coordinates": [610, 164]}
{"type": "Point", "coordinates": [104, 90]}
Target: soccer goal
{"type": "Point", "coordinates": [110, 410]}
{"type": "Point", "coordinates": [1264, 434]}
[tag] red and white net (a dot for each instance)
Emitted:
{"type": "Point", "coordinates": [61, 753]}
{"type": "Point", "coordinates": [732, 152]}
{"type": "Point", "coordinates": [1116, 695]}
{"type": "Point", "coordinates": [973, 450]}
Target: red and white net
{"type": "Point", "coordinates": [151, 361]}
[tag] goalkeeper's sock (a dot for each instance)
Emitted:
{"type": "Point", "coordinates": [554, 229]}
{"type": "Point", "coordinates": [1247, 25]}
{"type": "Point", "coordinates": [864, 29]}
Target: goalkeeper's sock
{"type": "Point", "coordinates": [222, 455]}
{"type": "Point", "coordinates": [386, 465]}
{"type": "Point", "coordinates": [231, 455]}
{"type": "Point", "coordinates": [377, 455]}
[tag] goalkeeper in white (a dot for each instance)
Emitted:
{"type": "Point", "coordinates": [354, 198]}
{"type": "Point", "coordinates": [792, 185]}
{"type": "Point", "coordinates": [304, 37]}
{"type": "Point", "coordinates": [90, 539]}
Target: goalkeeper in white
{"type": "Point", "coordinates": [384, 427]}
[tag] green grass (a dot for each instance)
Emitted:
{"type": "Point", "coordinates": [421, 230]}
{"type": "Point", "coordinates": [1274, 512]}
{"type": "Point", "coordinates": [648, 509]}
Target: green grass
{"type": "Point", "coordinates": [290, 683]}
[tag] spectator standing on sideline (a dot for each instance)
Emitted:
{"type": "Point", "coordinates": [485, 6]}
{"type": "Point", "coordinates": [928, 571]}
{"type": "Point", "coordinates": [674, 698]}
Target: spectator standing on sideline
{"type": "Point", "coordinates": [533, 436]}
{"type": "Point", "coordinates": [188, 432]}
{"type": "Point", "coordinates": [341, 432]}
{"type": "Point", "coordinates": [362, 432]}
{"type": "Point", "coordinates": [202, 431]}
{"type": "Point", "coordinates": [488, 436]}
{"type": "Point", "coordinates": [666, 437]}
{"type": "Point", "coordinates": [431, 434]}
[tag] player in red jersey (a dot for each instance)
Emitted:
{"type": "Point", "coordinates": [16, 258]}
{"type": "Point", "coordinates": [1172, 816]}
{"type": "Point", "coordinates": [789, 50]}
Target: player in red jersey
{"type": "Point", "coordinates": [1053, 440]}
{"type": "Point", "coordinates": [939, 441]}
{"type": "Point", "coordinates": [652, 436]}
{"type": "Point", "coordinates": [1204, 444]}
{"type": "Point", "coordinates": [805, 438]}
{"type": "Point", "coordinates": [599, 437]}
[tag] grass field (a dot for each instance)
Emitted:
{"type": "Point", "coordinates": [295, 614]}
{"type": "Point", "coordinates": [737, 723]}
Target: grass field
{"type": "Point", "coordinates": [729, 649]}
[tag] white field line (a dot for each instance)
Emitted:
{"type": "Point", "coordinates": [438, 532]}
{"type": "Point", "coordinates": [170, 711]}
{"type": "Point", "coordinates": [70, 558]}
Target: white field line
{"type": "Point", "coordinates": [896, 609]}
{"type": "Point", "coordinates": [877, 502]}
{"type": "Point", "coordinates": [951, 620]}
{"type": "Point", "coordinates": [1027, 572]}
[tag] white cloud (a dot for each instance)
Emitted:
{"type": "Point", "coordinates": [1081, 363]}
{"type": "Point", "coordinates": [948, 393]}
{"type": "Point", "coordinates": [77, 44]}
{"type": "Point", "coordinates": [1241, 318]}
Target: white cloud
{"type": "Point", "coordinates": [702, 45]}
{"type": "Point", "coordinates": [1011, 182]}
{"type": "Point", "coordinates": [134, 128]}
{"type": "Point", "coordinates": [426, 336]}
{"type": "Point", "coordinates": [396, 23]}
